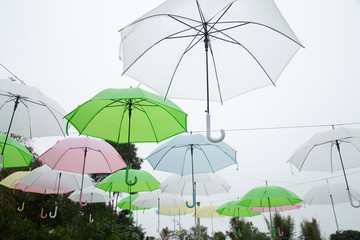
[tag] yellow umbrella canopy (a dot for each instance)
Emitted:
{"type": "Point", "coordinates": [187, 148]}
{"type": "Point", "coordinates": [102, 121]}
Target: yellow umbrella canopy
{"type": "Point", "coordinates": [177, 210]}
{"type": "Point", "coordinates": [13, 178]}
{"type": "Point", "coordinates": [208, 212]}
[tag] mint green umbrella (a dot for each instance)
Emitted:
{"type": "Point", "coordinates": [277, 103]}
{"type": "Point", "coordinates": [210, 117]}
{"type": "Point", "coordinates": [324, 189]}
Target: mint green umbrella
{"type": "Point", "coordinates": [269, 196]}
{"type": "Point", "coordinates": [125, 203]}
{"type": "Point", "coordinates": [15, 154]}
{"type": "Point", "coordinates": [232, 209]}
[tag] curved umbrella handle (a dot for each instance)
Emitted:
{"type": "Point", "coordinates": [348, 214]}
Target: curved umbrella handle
{"type": "Point", "coordinates": [22, 207]}
{"type": "Point", "coordinates": [281, 233]}
{"type": "Point", "coordinates": [351, 200]}
{"type": "Point", "coordinates": [273, 233]}
{"type": "Point", "coordinates": [239, 232]}
{"type": "Point", "coordinates": [129, 183]}
{"type": "Point", "coordinates": [194, 202]}
{"type": "Point", "coordinates": [91, 219]}
{"type": "Point", "coordinates": [81, 204]}
{"type": "Point", "coordinates": [55, 212]}
{"type": "Point", "coordinates": [208, 131]}
{"type": "Point", "coordinates": [42, 214]}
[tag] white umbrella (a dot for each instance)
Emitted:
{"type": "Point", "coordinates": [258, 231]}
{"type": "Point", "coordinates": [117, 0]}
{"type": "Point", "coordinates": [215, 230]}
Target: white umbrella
{"type": "Point", "coordinates": [206, 184]}
{"type": "Point", "coordinates": [330, 151]}
{"type": "Point", "coordinates": [27, 112]}
{"type": "Point", "coordinates": [208, 49]}
{"type": "Point", "coordinates": [158, 199]}
{"type": "Point", "coordinates": [329, 194]}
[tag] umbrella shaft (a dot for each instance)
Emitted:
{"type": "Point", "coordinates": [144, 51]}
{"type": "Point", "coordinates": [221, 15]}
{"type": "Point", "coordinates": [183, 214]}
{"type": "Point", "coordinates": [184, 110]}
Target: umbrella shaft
{"type": "Point", "coordinates": [342, 164]}
{"type": "Point", "coordinates": [206, 42]}
{"type": "Point", "coordinates": [12, 117]}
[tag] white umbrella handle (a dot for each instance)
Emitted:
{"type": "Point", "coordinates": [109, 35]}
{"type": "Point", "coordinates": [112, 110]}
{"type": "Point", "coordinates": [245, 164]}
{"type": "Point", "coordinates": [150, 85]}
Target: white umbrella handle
{"type": "Point", "coordinates": [91, 219]}
{"type": "Point", "coordinates": [55, 213]}
{"type": "Point", "coordinates": [351, 200]}
{"type": "Point", "coordinates": [208, 131]}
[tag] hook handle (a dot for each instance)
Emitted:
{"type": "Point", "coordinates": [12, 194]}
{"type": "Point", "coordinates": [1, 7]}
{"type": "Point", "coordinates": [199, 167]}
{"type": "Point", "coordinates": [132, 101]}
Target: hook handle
{"type": "Point", "coordinates": [351, 200]}
{"type": "Point", "coordinates": [129, 183]}
{"type": "Point", "coordinates": [273, 233]}
{"type": "Point", "coordinates": [42, 214]}
{"type": "Point", "coordinates": [194, 202]}
{"type": "Point", "coordinates": [208, 131]}
{"type": "Point", "coordinates": [22, 207]}
{"type": "Point", "coordinates": [80, 202]}
{"type": "Point", "coordinates": [281, 233]}
{"type": "Point", "coordinates": [55, 213]}
{"type": "Point", "coordinates": [239, 232]}
{"type": "Point", "coordinates": [91, 219]}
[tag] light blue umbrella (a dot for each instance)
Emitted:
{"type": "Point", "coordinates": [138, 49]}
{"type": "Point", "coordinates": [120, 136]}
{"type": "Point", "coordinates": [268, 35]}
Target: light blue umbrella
{"type": "Point", "coordinates": [192, 154]}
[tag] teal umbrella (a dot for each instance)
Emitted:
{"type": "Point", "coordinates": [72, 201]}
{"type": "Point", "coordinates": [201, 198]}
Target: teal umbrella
{"type": "Point", "coordinates": [128, 115]}
{"type": "Point", "coordinates": [15, 154]}
{"type": "Point", "coordinates": [269, 196]}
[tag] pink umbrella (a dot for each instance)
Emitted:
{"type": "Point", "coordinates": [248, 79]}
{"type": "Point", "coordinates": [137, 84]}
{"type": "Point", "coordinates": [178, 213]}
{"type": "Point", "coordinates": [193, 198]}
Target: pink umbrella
{"type": "Point", "coordinates": [83, 155]}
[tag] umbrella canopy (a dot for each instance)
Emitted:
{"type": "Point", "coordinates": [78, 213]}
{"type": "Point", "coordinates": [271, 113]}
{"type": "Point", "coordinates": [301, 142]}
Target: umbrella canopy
{"type": "Point", "coordinates": [115, 182]}
{"type": "Point", "coordinates": [44, 180]}
{"type": "Point", "coordinates": [34, 114]}
{"type": "Point", "coordinates": [84, 155]}
{"type": "Point", "coordinates": [15, 155]}
{"type": "Point", "coordinates": [187, 40]}
{"type": "Point", "coordinates": [13, 178]}
{"type": "Point", "coordinates": [125, 203]}
{"type": "Point", "coordinates": [232, 209]}
{"type": "Point", "coordinates": [191, 154]}
{"type": "Point", "coordinates": [91, 195]}
{"type": "Point", "coordinates": [329, 151]}
{"type": "Point", "coordinates": [109, 113]}
{"type": "Point", "coordinates": [206, 184]}
{"type": "Point", "coordinates": [177, 210]}
{"type": "Point", "coordinates": [158, 199]}
{"type": "Point", "coordinates": [208, 212]}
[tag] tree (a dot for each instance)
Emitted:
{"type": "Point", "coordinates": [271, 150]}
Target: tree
{"type": "Point", "coordinates": [345, 235]}
{"type": "Point", "coordinates": [283, 227]}
{"type": "Point", "coordinates": [240, 229]}
{"type": "Point", "coordinates": [196, 231]}
{"type": "Point", "coordinates": [219, 236]}
{"type": "Point", "coordinates": [310, 230]}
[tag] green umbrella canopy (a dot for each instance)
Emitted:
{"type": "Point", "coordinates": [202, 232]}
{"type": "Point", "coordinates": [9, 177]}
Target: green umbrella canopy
{"type": "Point", "coordinates": [115, 182]}
{"type": "Point", "coordinates": [232, 209]}
{"type": "Point", "coordinates": [15, 153]}
{"type": "Point", "coordinates": [106, 116]}
{"type": "Point", "coordinates": [125, 203]}
{"type": "Point", "coordinates": [269, 196]}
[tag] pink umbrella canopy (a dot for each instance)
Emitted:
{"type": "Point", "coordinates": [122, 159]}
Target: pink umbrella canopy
{"type": "Point", "coordinates": [276, 209]}
{"type": "Point", "coordinates": [83, 155]}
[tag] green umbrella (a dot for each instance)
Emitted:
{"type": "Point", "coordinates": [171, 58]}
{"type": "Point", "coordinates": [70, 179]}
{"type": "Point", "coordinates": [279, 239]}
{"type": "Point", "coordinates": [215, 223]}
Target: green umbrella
{"type": "Point", "coordinates": [112, 113]}
{"type": "Point", "coordinates": [125, 203]}
{"type": "Point", "coordinates": [15, 153]}
{"type": "Point", "coordinates": [232, 209]}
{"type": "Point", "coordinates": [269, 196]}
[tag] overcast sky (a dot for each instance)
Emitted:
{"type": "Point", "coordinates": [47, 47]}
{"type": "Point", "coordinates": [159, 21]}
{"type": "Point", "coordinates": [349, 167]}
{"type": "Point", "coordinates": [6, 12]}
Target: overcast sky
{"type": "Point", "coordinates": [69, 50]}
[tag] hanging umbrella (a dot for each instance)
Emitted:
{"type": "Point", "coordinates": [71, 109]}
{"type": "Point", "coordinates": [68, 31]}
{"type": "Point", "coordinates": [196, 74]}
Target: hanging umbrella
{"type": "Point", "coordinates": [157, 199]}
{"type": "Point", "coordinates": [117, 182]}
{"type": "Point", "coordinates": [232, 209]}
{"type": "Point", "coordinates": [238, 45]}
{"type": "Point", "coordinates": [125, 203]}
{"type": "Point", "coordinates": [329, 194]}
{"type": "Point", "coordinates": [207, 184]}
{"type": "Point", "coordinates": [330, 151]}
{"type": "Point", "coordinates": [208, 212]}
{"type": "Point", "coordinates": [177, 210]}
{"type": "Point", "coordinates": [90, 195]}
{"type": "Point", "coordinates": [44, 180]}
{"type": "Point", "coordinates": [83, 155]}
{"type": "Point", "coordinates": [16, 154]}
{"type": "Point", "coordinates": [13, 178]}
{"type": "Point", "coordinates": [192, 154]}
{"type": "Point", "coordinates": [269, 196]}
{"type": "Point", "coordinates": [27, 112]}
{"type": "Point", "coordinates": [128, 116]}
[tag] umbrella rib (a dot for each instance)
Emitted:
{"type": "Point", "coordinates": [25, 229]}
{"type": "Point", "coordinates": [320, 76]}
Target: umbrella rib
{"type": "Point", "coordinates": [57, 121]}
{"type": "Point", "coordinates": [126, 108]}
{"type": "Point", "coordinates": [151, 124]}
{"type": "Point", "coordinates": [154, 167]}
{"type": "Point", "coordinates": [183, 165]}
{"type": "Point", "coordinates": [216, 72]}
{"type": "Point", "coordinates": [206, 157]}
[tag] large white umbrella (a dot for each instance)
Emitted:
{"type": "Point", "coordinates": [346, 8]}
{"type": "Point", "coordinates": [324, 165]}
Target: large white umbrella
{"type": "Point", "coordinates": [27, 112]}
{"type": "Point", "coordinates": [330, 151]}
{"type": "Point", "coordinates": [207, 184]}
{"type": "Point", "coordinates": [329, 194]}
{"type": "Point", "coordinates": [208, 49]}
{"type": "Point", "coordinates": [158, 199]}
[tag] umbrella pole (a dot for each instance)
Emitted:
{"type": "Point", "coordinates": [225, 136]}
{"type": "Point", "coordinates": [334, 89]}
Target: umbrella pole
{"type": "Point", "coordinates": [82, 180]}
{"type": "Point", "coordinates": [332, 204]}
{"type": "Point", "coordinates": [208, 129]}
{"type": "Point", "coordinates": [8, 132]}
{"type": "Point", "coordinates": [271, 227]}
{"type": "Point", "coordinates": [129, 183]}
{"type": "Point", "coordinates": [346, 181]}
{"type": "Point", "coordinates": [158, 229]}
{"type": "Point", "coordinates": [193, 181]}
{"type": "Point", "coordinates": [58, 192]}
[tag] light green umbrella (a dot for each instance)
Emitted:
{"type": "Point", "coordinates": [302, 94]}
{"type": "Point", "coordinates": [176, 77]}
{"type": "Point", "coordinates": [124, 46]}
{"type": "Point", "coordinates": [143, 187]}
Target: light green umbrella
{"type": "Point", "coordinates": [269, 196]}
{"type": "Point", "coordinates": [129, 115]}
{"type": "Point", "coordinates": [232, 209]}
{"type": "Point", "coordinates": [15, 154]}
{"type": "Point", "coordinates": [125, 203]}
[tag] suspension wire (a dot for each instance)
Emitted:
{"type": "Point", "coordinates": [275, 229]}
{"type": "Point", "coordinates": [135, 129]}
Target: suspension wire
{"type": "Point", "coordinates": [12, 74]}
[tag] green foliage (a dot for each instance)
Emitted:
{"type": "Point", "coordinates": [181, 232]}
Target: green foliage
{"type": "Point", "coordinates": [345, 235]}
{"type": "Point", "coordinates": [310, 230]}
{"type": "Point", "coordinates": [218, 236]}
{"type": "Point", "coordinates": [246, 229]}
{"type": "Point", "coordinates": [282, 226]}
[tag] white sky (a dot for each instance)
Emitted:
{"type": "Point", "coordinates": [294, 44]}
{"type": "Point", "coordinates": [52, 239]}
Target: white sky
{"type": "Point", "coordinates": [69, 49]}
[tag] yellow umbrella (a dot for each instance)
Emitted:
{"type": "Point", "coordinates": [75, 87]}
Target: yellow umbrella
{"type": "Point", "coordinates": [208, 212]}
{"type": "Point", "coordinates": [177, 210]}
{"type": "Point", "coordinates": [13, 178]}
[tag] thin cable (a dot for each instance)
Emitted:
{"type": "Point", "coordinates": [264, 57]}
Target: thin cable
{"type": "Point", "coordinates": [12, 74]}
